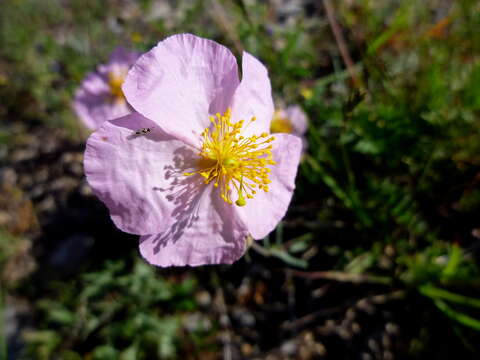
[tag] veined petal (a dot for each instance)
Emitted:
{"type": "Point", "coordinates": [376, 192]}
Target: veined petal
{"type": "Point", "coordinates": [206, 231]}
{"type": "Point", "coordinates": [253, 97]}
{"type": "Point", "coordinates": [136, 176]}
{"type": "Point", "coordinates": [262, 214]}
{"type": "Point", "coordinates": [182, 81]}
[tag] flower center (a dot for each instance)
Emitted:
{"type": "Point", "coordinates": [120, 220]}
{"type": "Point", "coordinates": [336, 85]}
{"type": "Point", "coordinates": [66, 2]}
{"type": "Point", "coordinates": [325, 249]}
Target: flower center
{"type": "Point", "coordinates": [232, 161]}
{"type": "Point", "coordinates": [115, 81]}
{"type": "Point", "coordinates": [280, 123]}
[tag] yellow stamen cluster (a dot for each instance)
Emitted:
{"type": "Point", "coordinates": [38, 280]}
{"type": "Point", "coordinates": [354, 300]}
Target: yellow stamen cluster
{"type": "Point", "coordinates": [232, 161]}
{"type": "Point", "coordinates": [280, 123]}
{"type": "Point", "coordinates": [115, 81]}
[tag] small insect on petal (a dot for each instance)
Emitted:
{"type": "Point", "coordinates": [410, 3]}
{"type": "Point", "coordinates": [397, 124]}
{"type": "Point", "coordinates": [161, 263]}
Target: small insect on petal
{"type": "Point", "coordinates": [140, 132]}
{"type": "Point", "coordinates": [143, 131]}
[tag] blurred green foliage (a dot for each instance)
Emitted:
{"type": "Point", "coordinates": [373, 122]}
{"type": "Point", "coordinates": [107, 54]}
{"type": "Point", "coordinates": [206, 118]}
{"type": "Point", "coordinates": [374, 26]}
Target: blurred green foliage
{"type": "Point", "coordinates": [393, 163]}
{"type": "Point", "coordinates": [96, 314]}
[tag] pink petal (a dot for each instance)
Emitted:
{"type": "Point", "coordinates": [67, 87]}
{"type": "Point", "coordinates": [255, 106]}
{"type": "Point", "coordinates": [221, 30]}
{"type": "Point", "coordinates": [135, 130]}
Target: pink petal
{"type": "Point", "coordinates": [262, 213]}
{"type": "Point", "coordinates": [206, 231]}
{"type": "Point", "coordinates": [123, 56]}
{"type": "Point", "coordinates": [93, 103]}
{"type": "Point", "coordinates": [298, 119]}
{"type": "Point", "coordinates": [253, 97]}
{"type": "Point", "coordinates": [182, 81]}
{"type": "Point", "coordinates": [134, 175]}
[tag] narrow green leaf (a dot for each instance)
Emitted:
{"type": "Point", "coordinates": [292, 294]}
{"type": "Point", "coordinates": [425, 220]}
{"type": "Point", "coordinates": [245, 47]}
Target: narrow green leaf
{"type": "Point", "coordinates": [437, 293]}
{"type": "Point", "coordinates": [457, 315]}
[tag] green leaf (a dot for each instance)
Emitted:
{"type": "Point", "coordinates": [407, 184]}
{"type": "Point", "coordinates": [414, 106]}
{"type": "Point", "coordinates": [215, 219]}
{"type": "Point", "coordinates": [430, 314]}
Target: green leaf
{"type": "Point", "coordinates": [454, 261]}
{"type": "Point", "coordinates": [437, 293]}
{"type": "Point", "coordinates": [283, 255]}
{"type": "Point", "coordinates": [105, 352]}
{"type": "Point", "coordinates": [360, 263]}
{"type": "Point", "coordinates": [458, 316]}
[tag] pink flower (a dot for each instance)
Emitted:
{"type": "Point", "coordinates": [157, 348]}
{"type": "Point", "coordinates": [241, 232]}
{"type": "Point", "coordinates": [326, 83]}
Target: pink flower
{"type": "Point", "coordinates": [291, 120]}
{"type": "Point", "coordinates": [100, 96]}
{"type": "Point", "coordinates": [194, 170]}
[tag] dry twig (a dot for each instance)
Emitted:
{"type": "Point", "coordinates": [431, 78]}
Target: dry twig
{"type": "Point", "coordinates": [342, 47]}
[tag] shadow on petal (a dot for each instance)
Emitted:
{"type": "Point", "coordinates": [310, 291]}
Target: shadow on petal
{"type": "Point", "coordinates": [184, 192]}
{"type": "Point", "coordinates": [204, 230]}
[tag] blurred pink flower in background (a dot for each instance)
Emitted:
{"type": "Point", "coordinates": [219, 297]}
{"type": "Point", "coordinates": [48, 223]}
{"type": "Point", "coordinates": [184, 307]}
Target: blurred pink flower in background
{"type": "Point", "coordinates": [194, 170]}
{"type": "Point", "coordinates": [100, 96]}
{"type": "Point", "coordinates": [290, 120]}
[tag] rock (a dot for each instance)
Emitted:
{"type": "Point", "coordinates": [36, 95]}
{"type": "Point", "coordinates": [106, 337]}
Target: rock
{"type": "Point", "coordinates": [243, 316]}
{"type": "Point", "coordinates": [203, 298]}
{"type": "Point", "coordinates": [289, 347]}
{"type": "Point", "coordinates": [8, 176]}
{"type": "Point", "coordinates": [22, 155]}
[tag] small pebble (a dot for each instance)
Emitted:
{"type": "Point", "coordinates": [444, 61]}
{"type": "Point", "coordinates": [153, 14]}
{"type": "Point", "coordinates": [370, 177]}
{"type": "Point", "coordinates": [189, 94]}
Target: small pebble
{"type": "Point", "coordinates": [8, 176]}
{"type": "Point", "coordinates": [289, 347]}
{"type": "Point", "coordinates": [25, 181]}
{"type": "Point", "coordinates": [85, 190]}
{"type": "Point", "coordinates": [367, 356]}
{"type": "Point", "coordinates": [356, 328]}
{"type": "Point", "coordinates": [247, 349]}
{"type": "Point", "coordinates": [344, 333]}
{"type": "Point", "coordinates": [391, 328]}
{"type": "Point", "coordinates": [41, 175]}
{"type": "Point", "coordinates": [387, 355]}
{"type": "Point", "coordinates": [373, 345]}
{"type": "Point", "coordinates": [350, 314]}
{"type": "Point", "coordinates": [22, 155]}
{"type": "Point", "coordinates": [203, 298]}
{"type": "Point", "coordinates": [320, 349]}
{"type": "Point", "coordinates": [245, 317]}
{"type": "Point", "coordinates": [76, 169]}
{"type": "Point", "coordinates": [48, 204]}
{"type": "Point", "coordinates": [386, 342]}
